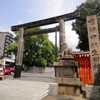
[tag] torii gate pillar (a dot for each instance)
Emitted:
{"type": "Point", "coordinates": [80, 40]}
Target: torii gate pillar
{"type": "Point", "coordinates": [62, 36]}
{"type": "Point", "coordinates": [65, 73]}
{"type": "Point", "coordinates": [19, 54]}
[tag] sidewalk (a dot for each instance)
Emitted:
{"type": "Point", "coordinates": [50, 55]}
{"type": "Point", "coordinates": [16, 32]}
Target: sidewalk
{"type": "Point", "coordinates": [31, 86]}
{"type": "Point", "coordinates": [23, 90]}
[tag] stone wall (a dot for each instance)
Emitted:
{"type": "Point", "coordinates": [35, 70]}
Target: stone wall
{"type": "Point", "coordinates": [49, 69]}
{"type": "Point", "coordinates": [92, 92]}
{"type": "Point", "coordinates": [35, 69]}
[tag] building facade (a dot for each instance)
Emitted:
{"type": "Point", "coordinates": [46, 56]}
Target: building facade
{"type": "Point", "coordinates": [5, 39]}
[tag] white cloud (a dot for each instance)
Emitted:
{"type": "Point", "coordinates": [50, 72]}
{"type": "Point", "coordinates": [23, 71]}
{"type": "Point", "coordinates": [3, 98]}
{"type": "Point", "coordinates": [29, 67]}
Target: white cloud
{"type": "Point", "coordinates": [19, 22]}
{"type": "Point", "coordinates": [52, 38]}
{"type": "Point", "coordinates": [53, 7]}
{"type": "Point", "coordinates": [71, 38]}
{"type": "Point", "coordinates": [47, 8]}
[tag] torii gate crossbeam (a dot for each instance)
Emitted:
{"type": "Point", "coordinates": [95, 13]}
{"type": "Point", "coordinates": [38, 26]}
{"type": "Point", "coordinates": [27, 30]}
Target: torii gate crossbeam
{"type": "Point", "coordinates": [58, 19]}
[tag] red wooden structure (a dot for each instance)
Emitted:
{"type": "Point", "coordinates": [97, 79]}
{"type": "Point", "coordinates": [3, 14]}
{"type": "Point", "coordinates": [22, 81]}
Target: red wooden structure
{"type": "Point", "coordinates": [84, 70]}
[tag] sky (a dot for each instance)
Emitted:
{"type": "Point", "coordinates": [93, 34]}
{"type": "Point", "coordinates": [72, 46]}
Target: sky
{"type": "Point", "coordinates": [14, 12]}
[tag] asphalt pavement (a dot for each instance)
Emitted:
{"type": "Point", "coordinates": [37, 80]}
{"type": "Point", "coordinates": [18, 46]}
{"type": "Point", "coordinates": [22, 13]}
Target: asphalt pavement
{"type": "Point", "coordinates": [31, 86]}
{"type": "Point", "coordinates": [43, 77]}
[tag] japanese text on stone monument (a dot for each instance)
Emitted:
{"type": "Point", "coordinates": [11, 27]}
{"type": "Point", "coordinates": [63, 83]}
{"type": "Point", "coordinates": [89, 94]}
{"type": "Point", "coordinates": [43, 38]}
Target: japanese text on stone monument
{"type": "Point", "coordinates": [93, 36]}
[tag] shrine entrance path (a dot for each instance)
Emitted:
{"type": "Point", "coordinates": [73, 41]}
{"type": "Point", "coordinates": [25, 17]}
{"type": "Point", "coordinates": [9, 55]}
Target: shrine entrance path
{"type": "Point", "coordinates": [23, 90]}
{"type": "Point", "coordinates": [64, 97]}
{"type": "Point", "coordinates": [47, 76]}
{"type": "Point", "coordinates": [31, 86]}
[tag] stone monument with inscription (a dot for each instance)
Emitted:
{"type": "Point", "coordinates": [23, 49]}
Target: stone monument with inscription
{"type": "Point", "coordinates": [93, 91]}
{"type": "Point", "coordinates": [65, 68]}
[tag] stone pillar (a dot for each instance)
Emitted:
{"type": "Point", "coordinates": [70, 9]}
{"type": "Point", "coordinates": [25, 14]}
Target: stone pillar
{"type": "Point", "coordinates": [65, 68]}
{"type": "Point", "coordinates": [93, 91]}
{"type": "Point", "coordinates": [94, 47]}
{"type": "Point", "coordinates": [19, 54]}
{"type": "Point", "coordinates": [99, 39]}
{"type": "Point", "coordinates": [56, 44]}
{"type": "Point", "coordinates": [62, 36]}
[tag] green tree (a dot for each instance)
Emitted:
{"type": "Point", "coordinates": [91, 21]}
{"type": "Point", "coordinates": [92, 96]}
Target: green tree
{"type": "Point", "coordinates": [92, 0]}
{"type": "Point", "coordinates": [38, 49]}
{"type": "Point", "coordinates": [80, 25]}
{"type": "Point", "coordinates": [12, 48]}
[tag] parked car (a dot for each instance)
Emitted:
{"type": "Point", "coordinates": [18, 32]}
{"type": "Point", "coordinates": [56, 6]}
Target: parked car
{"type": "Point", "coordinates": [8, 69]}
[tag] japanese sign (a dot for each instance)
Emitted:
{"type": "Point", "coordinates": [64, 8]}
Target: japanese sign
{"type": "Point", "coordinates": [94, 44]}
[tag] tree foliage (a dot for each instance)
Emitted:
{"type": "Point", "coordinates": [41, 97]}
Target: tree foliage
{"type": "Point", "coordinates": [92, 0]}
{"type": "Point", "coordinates": [80, 26]}
{"type": "Point", "coordinates": [38, 50]}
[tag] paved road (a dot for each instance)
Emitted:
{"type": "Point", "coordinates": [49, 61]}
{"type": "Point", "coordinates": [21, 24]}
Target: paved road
{"type": "Point", "coordinates": [31, 86]}
{"type": "Point", "coordinates": [22, 90]}
{"type": "Point", "coordinates": [44, 77]}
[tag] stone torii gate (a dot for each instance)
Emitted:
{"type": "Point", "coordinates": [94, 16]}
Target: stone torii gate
{"type": "Point", "coordinates": [61, 28]}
